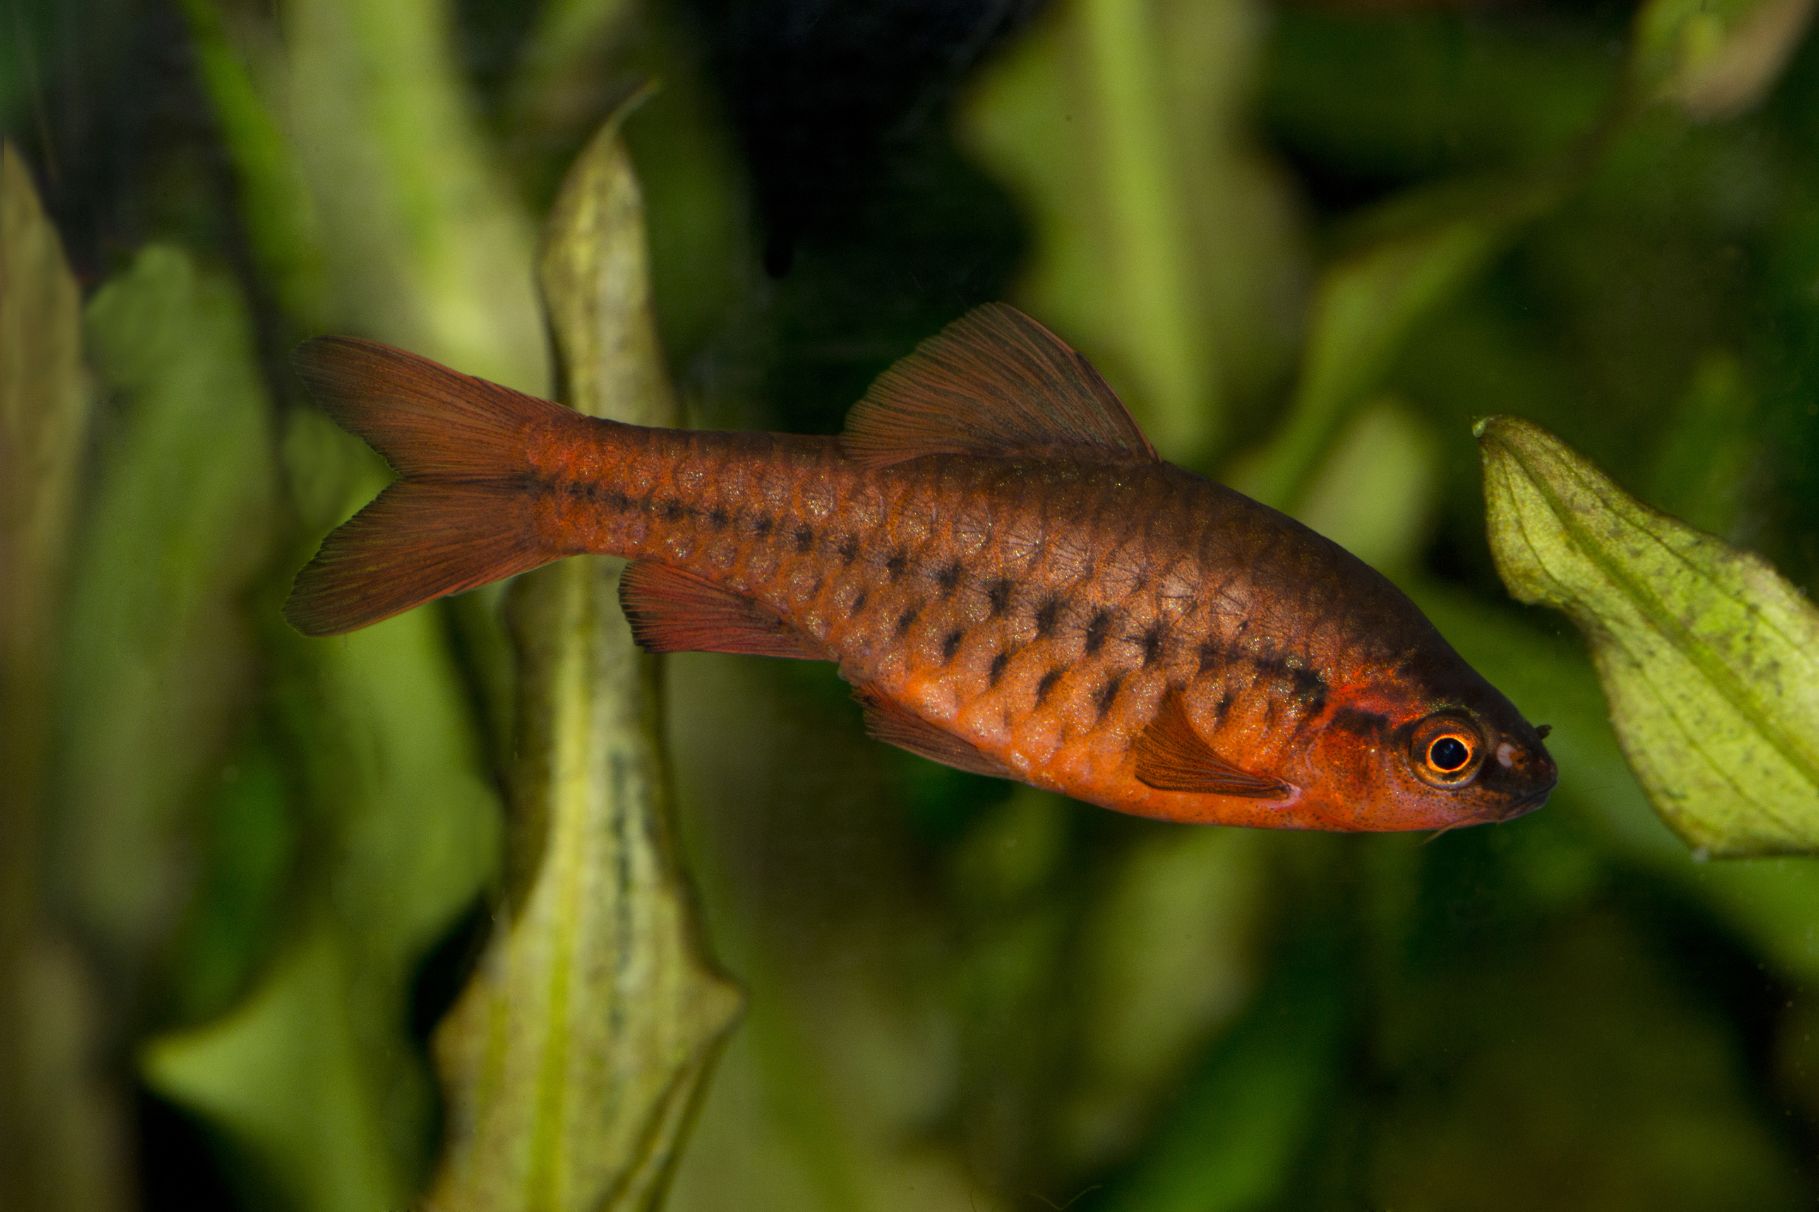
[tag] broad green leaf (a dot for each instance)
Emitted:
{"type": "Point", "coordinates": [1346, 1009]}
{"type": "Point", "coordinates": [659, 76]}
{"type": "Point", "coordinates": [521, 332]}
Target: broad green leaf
{"type": "Point", "coordinates": [283, 1080]}
{"type": "Point", "coordinates": [159, 658]}
{"type": "Point", "coordinates": [1769, 901]}
{"type": "Point", "coordinates": [573, 1059]}
{"type": "Point", "coordinates": [400, 832]}
{"type": "Point", "coordinates": [61, 1125]}
{"type": "Point", "coordinates": [1709, 658]}
{"type": "Point", "coordinates": [1715, 58]}
{"type": "Point", "coordinates": [396, 832]}
{"type": "Point", "coordinates": [1162, 241]}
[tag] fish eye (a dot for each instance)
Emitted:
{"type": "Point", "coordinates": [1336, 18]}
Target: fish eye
{"type": "Point", "coordinates": [1449, 753]}
{"type": "Point", "coordinates": [1446, 751]}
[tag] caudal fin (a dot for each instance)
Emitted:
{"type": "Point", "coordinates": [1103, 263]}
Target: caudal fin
{"type": "Point", "coordinates": [458, 517]}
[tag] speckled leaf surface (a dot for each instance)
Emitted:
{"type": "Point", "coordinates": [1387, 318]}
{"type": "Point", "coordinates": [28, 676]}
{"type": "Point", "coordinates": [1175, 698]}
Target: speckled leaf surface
{"type": "Point", "coordinates": [1708, 657]}
{"type": "Point", "coordinates": [573, 1059]}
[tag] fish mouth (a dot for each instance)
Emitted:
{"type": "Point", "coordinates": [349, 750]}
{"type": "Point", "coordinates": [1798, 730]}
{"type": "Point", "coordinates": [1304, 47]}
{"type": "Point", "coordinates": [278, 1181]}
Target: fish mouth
{"type": "Point", "coordinates": [1526, 804]}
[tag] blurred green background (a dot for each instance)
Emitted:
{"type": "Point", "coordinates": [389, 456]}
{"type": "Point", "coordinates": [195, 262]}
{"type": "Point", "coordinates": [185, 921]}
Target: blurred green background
{"type": "Point", "coordinates": [246, 875]}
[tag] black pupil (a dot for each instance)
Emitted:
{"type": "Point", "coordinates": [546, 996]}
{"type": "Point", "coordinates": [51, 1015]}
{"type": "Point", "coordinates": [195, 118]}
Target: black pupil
{"type": "Point", "coordinates": [1448, 753]}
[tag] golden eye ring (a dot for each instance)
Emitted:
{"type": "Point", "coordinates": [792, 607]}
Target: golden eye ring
{"type": "Point", "coordinates": [1446, 751]}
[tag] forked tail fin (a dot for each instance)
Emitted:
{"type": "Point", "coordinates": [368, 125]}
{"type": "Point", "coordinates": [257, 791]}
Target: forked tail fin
{"type": "Point", "coordinates": [459, 516]}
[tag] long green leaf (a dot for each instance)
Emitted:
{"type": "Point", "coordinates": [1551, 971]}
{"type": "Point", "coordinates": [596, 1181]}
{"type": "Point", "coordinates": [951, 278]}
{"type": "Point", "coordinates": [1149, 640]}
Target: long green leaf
{"type": "Point", "coordinates": [402, 828]}
{"type": "Point", "coordinates": [1709, 658]}
{"type": "Point", "coordinates": [160, 661]}
{"type": "Point", "coordinates": [572, 1060]}
{"type": "Point", "coordinates": [62, 1130]}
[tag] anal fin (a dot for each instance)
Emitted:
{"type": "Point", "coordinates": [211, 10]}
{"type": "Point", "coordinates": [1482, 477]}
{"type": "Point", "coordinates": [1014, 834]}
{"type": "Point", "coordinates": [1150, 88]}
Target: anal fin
{"type": "Point", "coordinates": [894, 724]}
{"type": "Point", "coordinates": [1171, 756]}
{"type": "Point", "coordinates": [671, 610]}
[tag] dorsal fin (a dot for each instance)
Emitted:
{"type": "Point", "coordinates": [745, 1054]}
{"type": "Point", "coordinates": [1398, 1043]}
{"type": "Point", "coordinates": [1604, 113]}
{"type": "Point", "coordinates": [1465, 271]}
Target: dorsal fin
{"type": "Point", "coordinates": [994, 382]}
{"type": "Point", "coordinates": [1171, 756]}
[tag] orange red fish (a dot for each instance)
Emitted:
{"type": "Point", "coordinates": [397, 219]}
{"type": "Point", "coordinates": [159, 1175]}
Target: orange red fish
{"type": "Point", "coordinates": [994, 556]}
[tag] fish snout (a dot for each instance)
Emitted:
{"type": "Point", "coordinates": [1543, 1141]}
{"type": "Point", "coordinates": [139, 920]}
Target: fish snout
{"type": "Point", "coordinates": [1530, 776]}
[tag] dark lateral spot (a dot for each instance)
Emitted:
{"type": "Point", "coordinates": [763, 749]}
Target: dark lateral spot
{"type": "Point", "coordinates": [907, 619]}
{"type": "Point", "coordinates": [674, 511]}
{"type": "Point", "coordinates": [1271, 665]}
{"type": "Point", "coordinates": [1107, 694]}
{"type": "Point", "coordinates": [1046, 684]}
{"type": "Point", "coordinates": [1213, 654]}
{"type": "Point", "coordinates": [895, 564]}
{"type": "Point", "coordinates": [950, 643]}
{"type": "Point", "coordinates": [999, 663]}
{"type": "Point", "coordinates": [762, 524]}
{"type": "Point", "coordinates": [999, 592]}
{"type": "Point", "coordinates": [1354, 719]}
{"type": "Point", "coordinates": [849, 549]}
{"type": "Point", "coordinates": [717, 518]}
{"type": "Point", "coordinates": [1095, 631]}
{"type": "Point", "coordinates": [858, 601]}
{"type": "Point", "coordinates": [805, 539]}
{"type": "Point", "coordinates": [1310, 687]}
{"type": "Point", "coordinates": [1048, 614]}
{"type": "Point", "coordinates": [948, 576]}
{"type": "Point", "coordinates": [1152, 643]}
{"type": "Point", "coordinates": [1225, 706]}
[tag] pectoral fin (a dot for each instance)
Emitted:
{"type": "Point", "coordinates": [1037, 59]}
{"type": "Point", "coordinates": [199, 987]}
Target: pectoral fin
{"type": "Point", "coordinates": [1171, 756]}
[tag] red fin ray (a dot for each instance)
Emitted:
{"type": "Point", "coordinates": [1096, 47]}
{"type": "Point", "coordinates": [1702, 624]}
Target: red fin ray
{"type": "Point", "coordinates": [1171, 756]}
{"type": "Point", "coordinates": [994, 382]}
{"type": "Point", "coordinates": [460, 517]}
{"type": "Point", "coordinates": [415, 542]}
{"type": "Point", "coordinates": [889, 721]}
{"type": "Point", "coordinates": [675, 611]}
{"type": "Point", "coordinates": [426, 419]}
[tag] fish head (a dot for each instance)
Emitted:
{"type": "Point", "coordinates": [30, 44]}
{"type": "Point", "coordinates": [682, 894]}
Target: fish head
{"type": "Point", "coordinates": [1432, 763]}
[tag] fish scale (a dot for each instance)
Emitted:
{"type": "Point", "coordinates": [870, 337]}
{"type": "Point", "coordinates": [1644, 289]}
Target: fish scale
{"type": "Point", "coordinates": [992, 554]}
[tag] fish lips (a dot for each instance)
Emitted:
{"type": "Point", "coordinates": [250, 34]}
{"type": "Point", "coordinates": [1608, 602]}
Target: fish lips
{"type": "Point", "coordinates": [1526, 804]}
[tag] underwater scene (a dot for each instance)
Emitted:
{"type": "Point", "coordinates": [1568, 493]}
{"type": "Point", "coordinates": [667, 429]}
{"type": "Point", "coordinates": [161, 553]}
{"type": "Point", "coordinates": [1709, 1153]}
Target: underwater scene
{"type": "Point", "coordinates": [1291, 528]}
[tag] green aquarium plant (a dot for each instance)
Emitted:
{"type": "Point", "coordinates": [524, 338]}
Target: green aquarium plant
{"type": "Point", "coordinates": [1709, 657]}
